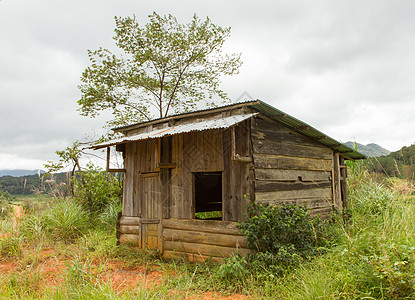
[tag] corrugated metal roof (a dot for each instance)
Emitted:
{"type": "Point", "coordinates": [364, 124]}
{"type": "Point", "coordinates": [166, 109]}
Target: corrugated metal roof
{"type": "Point", "coordinates": [305, 129]}
{"type": "Point", "coordinates": [182, 115]}
{"type": "Point", "coordinates": [257, 105]}
{"type": "Point", "coordinates": [195, 126]}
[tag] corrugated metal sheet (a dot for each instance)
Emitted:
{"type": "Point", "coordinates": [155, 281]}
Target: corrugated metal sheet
{"type": "Point", "coordinates": [196, 126]}
{"type": "Point", "coordinates": [305, 129]}
{"type": "Point", "coordinates": [257, 105]}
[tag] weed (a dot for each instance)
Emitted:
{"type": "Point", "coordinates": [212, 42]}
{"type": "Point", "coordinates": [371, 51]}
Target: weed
{"type": "Point", "coordinates": [65, 221]}
{"type": "Point", "coordinates": [26, 283]}
{"type": "Point", "coordinates": [11, 247]}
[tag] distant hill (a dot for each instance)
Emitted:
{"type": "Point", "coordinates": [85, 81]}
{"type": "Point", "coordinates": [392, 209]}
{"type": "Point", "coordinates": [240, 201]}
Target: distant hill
{"type": "Point", "coordinates": [20, 172]}
{"type": "Point", "coordinates": [399, 163]}
{"type": "Point", "coordinates": [370, 150]}
{"type": "Point", "coordinates": [28, 184]}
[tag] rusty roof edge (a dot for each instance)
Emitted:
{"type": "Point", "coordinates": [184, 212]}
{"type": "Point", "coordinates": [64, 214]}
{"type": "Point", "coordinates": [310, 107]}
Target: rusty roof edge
{"type": "Point", "coordinates": [182, 115]}
{"type": "Point", "coordinates": [306, 130]}
{"type": "Point", "coordinates": [219, 123]}
{"type": "Point", "coordinates": [269, 111]}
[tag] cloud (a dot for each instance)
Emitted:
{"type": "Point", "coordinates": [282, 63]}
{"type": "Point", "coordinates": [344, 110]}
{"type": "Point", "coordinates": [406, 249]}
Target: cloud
{"type": "Point", "coordinates": [345, 67]}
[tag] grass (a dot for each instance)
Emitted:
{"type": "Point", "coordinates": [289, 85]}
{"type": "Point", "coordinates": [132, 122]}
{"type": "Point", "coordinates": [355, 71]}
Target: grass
{"type": "Point", "coordinates": [374, 258]}
{"type": "Point", "coordinates": [21, 199]}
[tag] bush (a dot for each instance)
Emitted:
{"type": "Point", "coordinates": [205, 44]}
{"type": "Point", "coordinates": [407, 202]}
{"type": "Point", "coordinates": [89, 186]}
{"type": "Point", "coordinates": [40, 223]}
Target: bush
{"type": "Point", "coordinates": [31, 228]}
{"type": "Point", "coordinates": [276, 229]}
{"type": "Point", "coordinates": [5, 208]}
{"type": "Point", "coordinates": [99, 193]}
{"type": "Point", "coordinates": [11, 246]}
{"type": "Point", "coordinates": [65, 221]}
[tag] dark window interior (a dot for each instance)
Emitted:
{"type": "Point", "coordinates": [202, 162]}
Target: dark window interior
{"type": "Point", "coordinates": [165, 149]}
{"type": "Point", "coordinates": [208, 195]}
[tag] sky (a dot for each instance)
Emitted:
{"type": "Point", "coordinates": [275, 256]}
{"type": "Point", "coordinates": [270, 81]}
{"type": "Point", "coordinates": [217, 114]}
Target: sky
{"type": "Point", "coordinates": [345, 67]}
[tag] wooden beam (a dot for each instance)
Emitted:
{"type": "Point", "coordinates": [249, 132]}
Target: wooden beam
{"type": "Point", "coordinates": [337, 195]}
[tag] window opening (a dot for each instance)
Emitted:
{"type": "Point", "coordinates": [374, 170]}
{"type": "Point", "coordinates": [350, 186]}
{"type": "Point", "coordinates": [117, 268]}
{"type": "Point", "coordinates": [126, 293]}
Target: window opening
{"type": "Point", "coordinates": [208, 195]}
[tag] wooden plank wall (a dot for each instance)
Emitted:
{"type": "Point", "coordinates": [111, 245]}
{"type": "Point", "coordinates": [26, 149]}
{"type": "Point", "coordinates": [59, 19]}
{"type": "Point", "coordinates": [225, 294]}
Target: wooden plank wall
{"type": "Point", "coordinates": [237, 178]}
{"type": "Point", "coordinates": [141, 157]}
{"type": "Point", "coordinates": [192, 152]}
{"type": "Point", "coordinates": [198, 240]}
{"type": "Point", "coordinates": [291, 168]}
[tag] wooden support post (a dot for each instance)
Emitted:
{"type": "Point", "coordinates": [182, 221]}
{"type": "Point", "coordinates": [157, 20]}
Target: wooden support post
{"type": "Point", "coordinates": [343, 173]}
{"type": "Point", "coordinates": [336, 181]}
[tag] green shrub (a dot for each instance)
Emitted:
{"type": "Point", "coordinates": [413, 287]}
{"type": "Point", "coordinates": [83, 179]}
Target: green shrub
{"type": "Point", "coordinates": [5, 208]}
{"type": "Point", "coordinates": [233, 270]}
{"type": "Point", "coordinates": [97, 190]}
{"type": "Point", "coordinates": [280, 230]}
{"type": "Point", "coordinates": [31, 228]}
{"type": "Point", "coordinates": [109, 217]}
{"type": "Point", "coordinates": [25, 284]}
{"type": "Point", "coordinates": [65, 221]}
{"type": "Point", "coordinates": [11, 246]}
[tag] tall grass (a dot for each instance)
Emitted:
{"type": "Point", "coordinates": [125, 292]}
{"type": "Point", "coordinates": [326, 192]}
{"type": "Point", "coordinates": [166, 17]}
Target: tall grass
{"type": "Point", "coordinates": [376, 256]}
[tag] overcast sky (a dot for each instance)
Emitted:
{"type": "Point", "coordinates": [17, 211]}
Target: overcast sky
{"type": "Point", "coordinates": [345, 67]}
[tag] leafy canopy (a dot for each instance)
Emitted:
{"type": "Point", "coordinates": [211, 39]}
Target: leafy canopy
{"type": "Point", "coordinates": [164, 67]}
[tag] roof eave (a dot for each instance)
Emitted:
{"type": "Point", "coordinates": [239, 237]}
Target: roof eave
{"type": "Point", "coordinates": [183, 115]}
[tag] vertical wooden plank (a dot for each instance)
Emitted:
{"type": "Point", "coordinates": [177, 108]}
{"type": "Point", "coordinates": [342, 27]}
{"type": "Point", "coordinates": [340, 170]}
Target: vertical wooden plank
{"type": "Point", "coordinates": [126, 184]}
{"type": "Point", "coordinates": [136, 209]}
{"type": "Point", "coordinates": [180, 172]}
{"type": "Point", "coordinates": [226, 186]}
{"type": "Point", "coordinates": [343, 175]}
{"type": "Point", "coordinates": [174, 177]}
{"type": "Point", "coordinates": [337, 199]}
{"type": "Point", "coordinates": [198, 156]}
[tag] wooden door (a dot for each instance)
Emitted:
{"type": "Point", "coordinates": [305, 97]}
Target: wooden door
{"type": "Point", "coordinates": [151, 212]}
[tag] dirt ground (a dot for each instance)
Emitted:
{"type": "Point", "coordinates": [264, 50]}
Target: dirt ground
{"type": "Point", "coordinates": [52, 268]}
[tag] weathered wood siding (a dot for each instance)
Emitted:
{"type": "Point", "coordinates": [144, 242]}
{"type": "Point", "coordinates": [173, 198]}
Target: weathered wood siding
{"type": "Point", "coordinates": [192, 152]}
{"type": "Point", "coordinates": [237, 176]}
{"type": "Point", "coordinates": [290, 168]}
{"type": "Point", "coordinates": [141, 157]}
{"type": "Point", "coordinates": [210, 151]}
{"type": "Point", "coordinates": [198, 240]}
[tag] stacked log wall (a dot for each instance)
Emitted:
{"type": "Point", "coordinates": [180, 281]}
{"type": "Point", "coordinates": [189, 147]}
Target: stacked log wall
{"type": "Point", "coordinates": [197, 240]}
{"type": "Point", "coordinates": [291, 168]}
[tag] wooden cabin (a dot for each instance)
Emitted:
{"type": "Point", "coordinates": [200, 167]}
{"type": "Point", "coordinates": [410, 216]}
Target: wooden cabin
{"type": "Point", "coordinates": [189, 177]}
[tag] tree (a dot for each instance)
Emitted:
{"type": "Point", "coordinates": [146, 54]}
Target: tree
{"type": "Point", "coordinates": [164, 68]}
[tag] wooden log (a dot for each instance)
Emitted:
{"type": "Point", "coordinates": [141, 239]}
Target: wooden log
{"type": "Point", "coordinates": [310, 203]}
{"type": "Point", "coordinates": [169, 254]}
{"type": "Point", "coordinates": [291, 175]}
{"type": "Point", "coordinates": [218, 239]}
{"type": "Point", "coordinates": [126, 220]}
{"type": "Point", "coordinates": [128, 229]}
{"type": "Point", "coordinates": [284, 137]}
{"type": "Point", "coordinates": [286, 195]}
{"type": "Point", "coordinates": [203, 249]}
{"type": "Point", "coordinates": [288, 149]}
{"type": "Point", "coordinates": [271, 186]}
{"type": "Point", "coordinates": [212, 226]}
{"type": "Point", "coordinates": [269, 161]}
{"type": "Point", "coordinates": [130, 239]}
{"type": "Point", "coordinates": [324, 213]}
